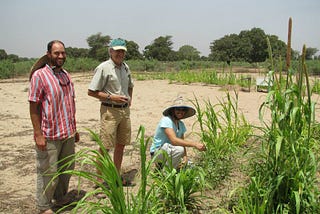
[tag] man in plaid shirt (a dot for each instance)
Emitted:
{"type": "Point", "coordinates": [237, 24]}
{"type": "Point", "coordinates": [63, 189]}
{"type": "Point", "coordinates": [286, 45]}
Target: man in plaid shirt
{"type": "Point", "coordinates": [52, 113]}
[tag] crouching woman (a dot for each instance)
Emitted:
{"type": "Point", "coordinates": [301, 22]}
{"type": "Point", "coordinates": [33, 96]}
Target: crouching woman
{"type": "Point", "coordinates": [169, 135]}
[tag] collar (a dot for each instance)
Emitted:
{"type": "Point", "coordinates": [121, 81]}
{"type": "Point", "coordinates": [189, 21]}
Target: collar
{"type": "Point", "coordinates": [52, 71]}
{"type": "Point", "coordinates": [116, 66]}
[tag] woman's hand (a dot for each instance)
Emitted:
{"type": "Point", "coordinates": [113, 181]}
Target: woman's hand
{"type": "Point", "coordinates": [201, 147]}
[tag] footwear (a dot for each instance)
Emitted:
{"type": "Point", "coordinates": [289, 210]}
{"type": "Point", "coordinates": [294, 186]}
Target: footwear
{"type": "Point", "coordinates": [49, 211]}
{"type": "Point", "coordinates": [104, 184]}
{"type": "Point", "coordinates": [100, 194]}
{"type": "Point", "coordinates": [63, 202]}
{"type": "Point", "coordinates": [127, 182]}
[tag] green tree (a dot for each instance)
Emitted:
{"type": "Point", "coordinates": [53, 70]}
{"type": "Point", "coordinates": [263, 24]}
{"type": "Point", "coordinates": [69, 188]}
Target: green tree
{"type": "Point", "coordinates": [244, 49]}
{"type": "Point", "coordinates": [258, 43]}
{"type": "Point", "coordinates": [295, 54]}
{"type": "Point", "coordinates": [187, 52]}
{"type": "Point", "coordinates": [310, 52]}
{"type": "Point", "coordinates": [77, 52]}
{"type": "Point", "coordinates": [3, 54]}
{"type": "Point", "coordinates": [279, 48]}
{"type": "Point", "coordinates": [98, 46]}
{"type": "Point", "coordinates": [249, 45]}
{"type": "Point", "coordinates": [160, 49]}
{"type": "Point", "coordinates": [13, 57]}
{"type": "Point", "coordinates": [133, 51]}
{"type": "Point", "coordinates": [229, 48]}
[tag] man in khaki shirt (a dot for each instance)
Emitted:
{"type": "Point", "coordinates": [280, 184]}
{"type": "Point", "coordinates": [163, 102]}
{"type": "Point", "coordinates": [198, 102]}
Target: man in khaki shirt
{"type": "Point", "coordinates": [113, 86]}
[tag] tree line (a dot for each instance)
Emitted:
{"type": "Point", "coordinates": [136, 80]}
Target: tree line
{"type": "Point", "coordinates": [247, 46]}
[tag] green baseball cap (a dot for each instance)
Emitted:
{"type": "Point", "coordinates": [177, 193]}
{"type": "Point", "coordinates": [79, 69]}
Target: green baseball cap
{"type": "Point", "coordinates": [118, 44]}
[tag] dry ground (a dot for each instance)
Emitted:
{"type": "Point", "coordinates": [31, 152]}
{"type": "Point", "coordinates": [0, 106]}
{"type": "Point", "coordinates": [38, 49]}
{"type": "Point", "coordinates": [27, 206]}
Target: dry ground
{"type": "Point", "coordinates": [17, 159]}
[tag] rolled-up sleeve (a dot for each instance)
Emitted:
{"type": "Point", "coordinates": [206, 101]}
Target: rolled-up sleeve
{"type": "Point", "coordinates": [35, 89]}
{"type": "Point", "coordinates": [98, 81]}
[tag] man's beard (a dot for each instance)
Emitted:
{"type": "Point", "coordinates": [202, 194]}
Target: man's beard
{"type": "Point", "coordinates": [55, 64]}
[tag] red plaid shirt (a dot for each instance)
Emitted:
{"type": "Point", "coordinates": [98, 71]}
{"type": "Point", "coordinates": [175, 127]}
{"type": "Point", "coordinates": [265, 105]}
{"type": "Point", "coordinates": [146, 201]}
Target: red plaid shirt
{"type": "Point", "coordinates": [55, 94]}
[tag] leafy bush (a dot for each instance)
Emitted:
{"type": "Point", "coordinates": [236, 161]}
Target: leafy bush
{"type": "Point", "coordinates": [6, 69]}
{"type": "Point", "coordinates": [22, 68]}
{"type": "Point", "coordinates": [313, 66]}
{"type": "Point", "coordinates": [80, 64]}
{"type": "Point", "coordinates": [89, 64]}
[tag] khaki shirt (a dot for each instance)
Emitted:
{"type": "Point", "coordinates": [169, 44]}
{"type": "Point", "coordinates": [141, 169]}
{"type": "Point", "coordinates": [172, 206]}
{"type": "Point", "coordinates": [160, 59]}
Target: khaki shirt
{"type": "Point", "coordinates": [112, 79]}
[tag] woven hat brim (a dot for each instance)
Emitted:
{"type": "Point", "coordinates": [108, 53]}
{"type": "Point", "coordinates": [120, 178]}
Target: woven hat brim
{"type": "Point", "coordinates": [189, 113]}
{"type": "Point", "coordinates": [40, 63]}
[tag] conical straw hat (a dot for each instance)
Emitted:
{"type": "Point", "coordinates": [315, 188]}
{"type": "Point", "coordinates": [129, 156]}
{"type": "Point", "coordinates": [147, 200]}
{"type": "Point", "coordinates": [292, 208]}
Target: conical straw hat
{"type": "Point", "coordinates": [179, 103]}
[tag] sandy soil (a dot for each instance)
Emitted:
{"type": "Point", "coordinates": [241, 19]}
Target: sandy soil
{"type": "Point", "coordinates": [17, 159]}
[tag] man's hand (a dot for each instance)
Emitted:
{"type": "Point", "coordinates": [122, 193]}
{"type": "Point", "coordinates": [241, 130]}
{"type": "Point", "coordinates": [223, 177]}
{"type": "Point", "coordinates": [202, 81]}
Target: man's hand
{"type": "Point", "coordinates": [41, 143]}
{"type": "Point", "coordinates": [119, 98]}
{"type": "Point", "coordinates": [77, 137]}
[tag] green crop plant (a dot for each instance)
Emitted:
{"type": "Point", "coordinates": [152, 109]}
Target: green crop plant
{"type": "Point", "coordinates": [116, 201]}
{"type": "Point", "coordinates": [179, 191]}
{"type": "Point", "coordinates": [283, 177]}
{"type": "Point", "coordinates": [224, 130]}
{"type": "Point", "coordinates": [158, 192]}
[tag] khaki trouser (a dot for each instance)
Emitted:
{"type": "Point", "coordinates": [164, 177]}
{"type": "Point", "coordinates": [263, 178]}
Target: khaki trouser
{"type": "Point", "coordinates": [47, 167]}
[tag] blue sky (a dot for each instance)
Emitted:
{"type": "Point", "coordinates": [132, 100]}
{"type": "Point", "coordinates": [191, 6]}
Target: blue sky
{"type": "Point", "coordinates": [28, 25]}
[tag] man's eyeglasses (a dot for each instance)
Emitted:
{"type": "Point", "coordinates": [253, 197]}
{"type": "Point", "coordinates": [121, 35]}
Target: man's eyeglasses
{"type": "Point", "coordinates": [63, 79]}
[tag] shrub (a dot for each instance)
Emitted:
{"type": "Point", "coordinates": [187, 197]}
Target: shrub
{"type": "Point", "coordinates": [6, 69]}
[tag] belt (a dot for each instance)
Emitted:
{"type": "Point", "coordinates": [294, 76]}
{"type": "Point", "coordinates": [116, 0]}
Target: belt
{"type": "Point", "coordinates": [115, 105]}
